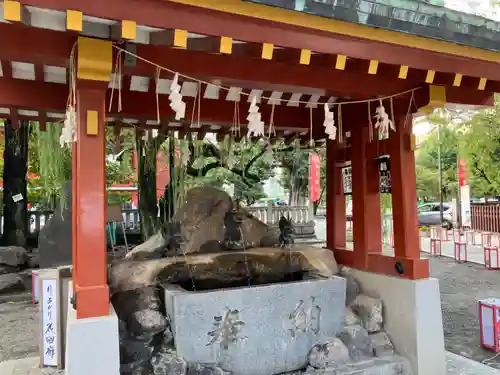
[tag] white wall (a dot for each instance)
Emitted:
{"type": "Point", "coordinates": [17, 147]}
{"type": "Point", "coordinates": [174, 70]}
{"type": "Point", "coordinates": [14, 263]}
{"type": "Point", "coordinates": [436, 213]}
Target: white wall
{"type": "Point", "coordinates": [412, 318]}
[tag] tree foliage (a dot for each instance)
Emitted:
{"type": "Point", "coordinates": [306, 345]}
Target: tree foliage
{"type": "Point", "coordinates": [444, 140]}
{"type": "Point", "coordinates": [294, 163]}
{"type": "Point", "coordinates": [480, 147]}
{"type": "Point", "coordinates": [53, 163]}
{"type": "Point", "coordinates": [475, 137]}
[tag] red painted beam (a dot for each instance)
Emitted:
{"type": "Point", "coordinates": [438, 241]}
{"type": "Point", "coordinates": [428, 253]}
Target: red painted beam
{"type": "Point", "coordinates": [47, 47]}
{"type": "Point", "coordinates": [347, 83]}
{"type": "Point", "coordinates": [36, 46]}
{"type": "Point", "coordinates": [24, 94]}
{"type": "Point", "coordinates": [167, 15]}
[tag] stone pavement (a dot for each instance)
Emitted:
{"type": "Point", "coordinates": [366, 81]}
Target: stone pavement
{"type": "Point", "coordinates": [456, 365]}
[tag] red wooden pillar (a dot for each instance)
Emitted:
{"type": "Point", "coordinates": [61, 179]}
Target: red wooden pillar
{"type": "Point", "coordinates": [366, 211]}
{"type": "Point", "coordinates": [404, 202]}
{"type": "Point", "coordinates": [335, 201]}
{"type": "Point", "coordinates": [89, 179]}
{"type": "Point", "coordinates": [74, 216]}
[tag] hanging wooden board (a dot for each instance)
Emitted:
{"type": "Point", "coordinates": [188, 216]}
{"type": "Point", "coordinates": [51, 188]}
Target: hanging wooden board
{"type": "Point", "coordinates": [384, 171]}
{"type": "Point", "coordinates": [347, 179]}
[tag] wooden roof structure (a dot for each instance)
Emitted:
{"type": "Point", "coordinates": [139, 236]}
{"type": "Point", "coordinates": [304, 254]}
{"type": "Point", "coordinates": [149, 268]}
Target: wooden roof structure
{"type": "Point", "coordinates": [251, 49]}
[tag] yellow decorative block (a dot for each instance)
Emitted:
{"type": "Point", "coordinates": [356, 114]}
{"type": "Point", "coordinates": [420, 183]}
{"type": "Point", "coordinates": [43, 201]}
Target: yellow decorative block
{"type": "Point", "coordinates": [458, 80]}
{"type": "Point", "coordinates": [92, 122]}
{"type": "Point", "coordinates": [95, 59]}
{"type": "Point", "coordinates": [129, 30]}
{"type": "Point", "coordinates": [340, 63]}
{"type": "Point", "coordinates": [305, 57]}
{"type": "Point", "coordinates": [180, 38]}
{"type": "Point", "coordinates": [403, 72]}
{"type": "Point", "coordinates": [267, 51]}
{"type": "Point", "coordinates": [437, 98]}
{"type": "Point", "coordinates": [482, 83]}
{"type": "Point", "coordinates": [413, 142]}
{"type": "Point", "coordinates": [226, 45]}
{"type": "Point", "coordinates": [12, 11]}
{"type": "Point", "coordinates": [74, 20]}
{"type": "Point", "coordinates": [429, 78]}
{"type": "Point", "coordinates": [372, 69]}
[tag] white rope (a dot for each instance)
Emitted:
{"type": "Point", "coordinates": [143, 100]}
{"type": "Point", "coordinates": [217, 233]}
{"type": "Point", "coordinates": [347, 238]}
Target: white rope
{"type": "Point", "coordinates": [227, 88]}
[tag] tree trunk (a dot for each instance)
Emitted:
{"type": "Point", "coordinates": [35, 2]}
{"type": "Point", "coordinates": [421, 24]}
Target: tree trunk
{"type": "Point", "coordinates": [15, 195]}
{"type": "Point", "coordinates": [148, 208]}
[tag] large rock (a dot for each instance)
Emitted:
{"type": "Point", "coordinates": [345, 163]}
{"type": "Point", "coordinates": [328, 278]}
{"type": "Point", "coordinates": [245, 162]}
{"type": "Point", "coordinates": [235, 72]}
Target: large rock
{"type": "Point", "coordinates": [205, 369]}
{"type": "Point", "coordinates": [8, 269]}
{"type": "Point", "coordinates": [382, 345]}
{"type": "Point", "coordinates": [54, 240]}
{"type": "Point", "coordinates": [205, 221]}
{"type": "Point", "coordinates": [10, 283]}
{"type": "Point", "coordinates": [350, 318]}
{"type": "Point", "coordinates": [13, 256]}
{"type": "Point", "coordinates": [332, 353]}
{"type": "Point", "coordinates": [352, 285]}
{"type": "Point", "coordinates": [142, 312]}
{"type": "Point", "coordinates": [135, 356]}
{"type": "Point", "coordinates": [358, 342]}
{"type": "Point", "coordinates": [167, 362]}
{"type": "Point", "coordinates": [369, 311]}
{"type": "Point", "coordinates": [259, 265]}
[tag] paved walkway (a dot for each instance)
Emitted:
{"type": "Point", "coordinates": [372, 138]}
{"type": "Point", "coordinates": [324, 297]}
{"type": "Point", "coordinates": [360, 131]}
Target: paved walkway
{"type": "Point", "coordinates": [456, 365]}
{"type": "Point", "coordinates": [475, 254]}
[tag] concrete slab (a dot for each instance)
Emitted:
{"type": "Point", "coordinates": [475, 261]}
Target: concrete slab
{"type": "Point", "coordinates": [256, 330]}
{"type": "Point", "coordinates": [458, 365]}
{"type": "Point", "coordinates": [378, 366]}
{"type": "Point", "coordinates": [455, 364]}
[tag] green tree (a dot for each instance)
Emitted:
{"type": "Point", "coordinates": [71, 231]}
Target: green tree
{"type": "Point", "coordinates": [480, 147]}
{"type": "Point", "coordinates": [294, 163]}
{"type": "Point", "coordinates": [241, 164]}
{"type": "Point", "coordinates": [53, 164]}
{"type": "Point", "coordinates": [444, 140]}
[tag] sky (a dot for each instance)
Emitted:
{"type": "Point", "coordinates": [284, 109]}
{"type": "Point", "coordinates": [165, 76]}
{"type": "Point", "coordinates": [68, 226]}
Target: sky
{"type": "Point", "coordinates": [484, 8]}
{"type": "Point", "coordinates": [422, 128]}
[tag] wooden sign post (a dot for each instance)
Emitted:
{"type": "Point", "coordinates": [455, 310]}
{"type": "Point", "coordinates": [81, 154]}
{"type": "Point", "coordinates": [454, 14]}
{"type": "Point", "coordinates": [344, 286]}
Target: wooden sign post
{"type": "Point", "coordinates": [50, 333]}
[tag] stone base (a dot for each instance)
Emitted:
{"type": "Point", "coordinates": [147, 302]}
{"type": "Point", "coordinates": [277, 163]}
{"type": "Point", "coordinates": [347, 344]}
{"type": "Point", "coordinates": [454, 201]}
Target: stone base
{"type": "Point", "coordinates": [92, 345]}
{"type": "Point", "coordinates": [255, 330]}
{"type": "Point", "coordinates": [413, 319]}
{"type": "Point", "coordinates": [377, 366]}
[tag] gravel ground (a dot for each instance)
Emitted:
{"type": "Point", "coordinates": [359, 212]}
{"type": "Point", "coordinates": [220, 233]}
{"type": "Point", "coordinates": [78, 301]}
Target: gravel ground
{"type": "Point", "coordinates": [462, 285]}
{"type": "Point", "coordinates": [19, 330]}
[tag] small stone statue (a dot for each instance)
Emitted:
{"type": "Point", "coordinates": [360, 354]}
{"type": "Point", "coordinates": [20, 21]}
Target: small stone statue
{"type": "Point", "coordinates": [286, 238]}
{"type": "Point", "coordinates": [233, 239]}
{"type": "Point", "coordinates": [172, 233]}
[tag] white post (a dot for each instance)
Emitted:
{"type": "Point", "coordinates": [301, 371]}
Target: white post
{"type": "Point", "coordinates": [270, 218]}
{"type": "Point", "coordinates": [310, 213]}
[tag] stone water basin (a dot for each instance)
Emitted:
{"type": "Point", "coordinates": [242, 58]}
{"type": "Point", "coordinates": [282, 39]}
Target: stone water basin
{"type": "Point", "coordinates": [255, 329]}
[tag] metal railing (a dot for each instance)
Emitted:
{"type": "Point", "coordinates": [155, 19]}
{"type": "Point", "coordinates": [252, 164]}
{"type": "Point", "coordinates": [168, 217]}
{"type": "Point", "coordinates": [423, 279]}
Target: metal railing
{"type": "Point", "coordinates": [270, 215]}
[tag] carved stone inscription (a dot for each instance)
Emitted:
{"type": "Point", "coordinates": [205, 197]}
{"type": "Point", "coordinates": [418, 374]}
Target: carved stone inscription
{"type": "Point", "coordinates": [227, 329]}
{"type": "Point", "coordinates": [305, 318]}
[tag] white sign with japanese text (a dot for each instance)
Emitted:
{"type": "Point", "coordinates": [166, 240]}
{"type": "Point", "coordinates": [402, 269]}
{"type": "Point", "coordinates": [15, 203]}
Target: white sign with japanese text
{"type": "Point", "coordinates": [49, 301]}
